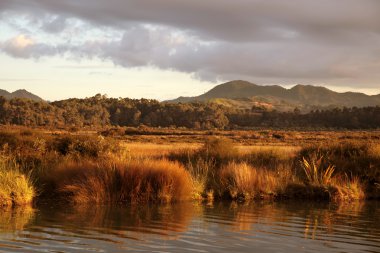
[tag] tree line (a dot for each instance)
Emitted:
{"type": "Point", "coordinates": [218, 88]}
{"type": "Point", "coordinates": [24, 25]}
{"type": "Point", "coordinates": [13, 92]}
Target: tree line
{"type": "Point", "coordinates": [100, 111]}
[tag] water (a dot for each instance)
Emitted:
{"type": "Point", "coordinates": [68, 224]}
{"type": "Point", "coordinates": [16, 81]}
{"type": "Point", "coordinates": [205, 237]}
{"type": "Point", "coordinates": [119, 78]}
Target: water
{"type": "Point", "coordinates": [189, 227]}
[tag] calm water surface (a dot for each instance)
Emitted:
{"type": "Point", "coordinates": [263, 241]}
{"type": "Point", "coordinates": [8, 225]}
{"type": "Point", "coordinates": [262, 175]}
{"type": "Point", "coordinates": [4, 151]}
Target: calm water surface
{"type": "Point", "coordinates": [189, 227]}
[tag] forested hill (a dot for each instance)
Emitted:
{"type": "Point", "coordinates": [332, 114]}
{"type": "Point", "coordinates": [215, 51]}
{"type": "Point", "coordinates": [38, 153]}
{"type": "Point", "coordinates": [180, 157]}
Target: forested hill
{"type": "Point", "coordinates": [301, 96]}
{"type": "Point", "coordinates": [19, 94]}
{"type": "Point", "coordinates": [100, 111]}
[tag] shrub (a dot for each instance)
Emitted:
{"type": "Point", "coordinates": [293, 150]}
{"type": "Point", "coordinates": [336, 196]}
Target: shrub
{"type": "Point", "coordinates": [222, 149]}
{"type": "Point", "coordinates": [9, 139]}
{"type": "Point", "coordinates": [84, 146]}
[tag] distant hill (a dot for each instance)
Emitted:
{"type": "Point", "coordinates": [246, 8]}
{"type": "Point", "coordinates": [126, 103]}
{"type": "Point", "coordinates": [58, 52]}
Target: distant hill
{"type": "Point", "coordinates": [19, 94]}
{"type": "Point", "coordinates": [245, 95]}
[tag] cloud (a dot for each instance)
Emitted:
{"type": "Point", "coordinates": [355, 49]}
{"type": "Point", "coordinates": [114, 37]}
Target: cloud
{"type": "Point", "coordinates": [300, 40]}
{"type": "Point", "coordinates": [23, 46]}
{"type": "Point", "coordinates": [55, 25]}
{"type": "Point", "coordinates": [19, 46]}
{"type": "Point", "coordinates": [240, 20]}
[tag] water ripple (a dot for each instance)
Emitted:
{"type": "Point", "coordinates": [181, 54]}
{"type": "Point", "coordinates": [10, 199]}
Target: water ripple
{"type": "Point", "coordinates": [188, 227]}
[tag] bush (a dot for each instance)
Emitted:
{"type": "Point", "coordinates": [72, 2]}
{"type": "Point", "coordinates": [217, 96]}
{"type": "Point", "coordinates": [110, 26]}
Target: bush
{"type": "Point", "coordinates": [84, 146]}
{"type": "Point", "coordinates": [221, 149]}
{"type": "Point", "coordinates": [9, 139]}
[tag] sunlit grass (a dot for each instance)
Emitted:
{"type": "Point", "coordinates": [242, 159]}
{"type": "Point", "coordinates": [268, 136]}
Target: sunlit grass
{"type": "Point", "coordinates": [15, 187]}
{"type": "Point", "coordinates": [70, 167]}
{"type": "Point", "coordinates": [245, 182]}
{"type": "Point", "coordinates": [130, 181]}
{"type": "Point", "coordinates": [348, 188]}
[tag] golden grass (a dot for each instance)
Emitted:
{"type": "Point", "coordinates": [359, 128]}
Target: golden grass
{"type": "Point", "coordinates": [134, 181]}
{"type": "Point", "coordinates": [154, 150]}
{"type": "Point", "coordinates": [278, 150]}
{"type": "Point", "coordinates": [200, 171]}
{"type": "Point", "coordinates": [348, 189]}
{"type": "Point", "coordinates": [97, 170]}
{"type": "Point", "coordinates": [245, 182]}
{"type": "Point", "coordinates": [15, 187]}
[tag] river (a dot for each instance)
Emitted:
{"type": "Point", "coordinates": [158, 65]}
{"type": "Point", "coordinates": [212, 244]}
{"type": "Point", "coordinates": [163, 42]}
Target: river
{"type": "Point", "coordinates": [193, 227]}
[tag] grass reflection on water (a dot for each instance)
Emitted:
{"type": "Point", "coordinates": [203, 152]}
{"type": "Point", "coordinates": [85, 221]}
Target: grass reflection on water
{"type": "Point", "coordinates": [356, 222]}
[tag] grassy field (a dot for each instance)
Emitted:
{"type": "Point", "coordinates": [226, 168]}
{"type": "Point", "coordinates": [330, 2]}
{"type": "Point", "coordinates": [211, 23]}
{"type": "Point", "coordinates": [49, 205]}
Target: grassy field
{"type": "Point", "coordinates": [162, 165]}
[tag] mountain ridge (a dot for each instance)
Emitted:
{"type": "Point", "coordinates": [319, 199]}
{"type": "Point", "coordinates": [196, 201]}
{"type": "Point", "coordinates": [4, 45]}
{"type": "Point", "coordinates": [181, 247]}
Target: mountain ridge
{"type": "Point", "coordinates": [298, 96]}
{"type": "Point", "coordinates": [21, 93]}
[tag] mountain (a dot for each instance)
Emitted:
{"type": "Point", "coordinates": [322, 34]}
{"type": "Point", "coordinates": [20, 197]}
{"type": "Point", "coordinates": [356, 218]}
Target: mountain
{"type": "Point", "coordinates": [245, 95]}
{"type": "Point", "coordinates": [20, 94]}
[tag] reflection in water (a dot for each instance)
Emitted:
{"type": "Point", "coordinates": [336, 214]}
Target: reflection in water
{"type": "Point", "coordinates": [131, 222]}
{"type": "Point", "coordinates": [188, 227]}
{"type": "Point", "coordinates": [15, 219]}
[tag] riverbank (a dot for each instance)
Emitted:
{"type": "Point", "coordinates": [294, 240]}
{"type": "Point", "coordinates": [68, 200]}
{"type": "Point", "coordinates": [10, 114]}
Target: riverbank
{"type": "Point", "coordinates": [91, 168]}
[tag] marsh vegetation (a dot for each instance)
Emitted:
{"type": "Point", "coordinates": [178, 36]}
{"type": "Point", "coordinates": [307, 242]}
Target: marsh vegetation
{"type": "Point", "coordinates": [84, 167]}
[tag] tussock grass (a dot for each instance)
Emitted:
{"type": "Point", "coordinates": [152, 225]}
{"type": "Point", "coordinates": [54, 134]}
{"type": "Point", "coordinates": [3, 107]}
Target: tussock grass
{"type": "Point", "coordinates": [348, 188]}
{"type": "Point", "coordinates": [201, 172]}
{"type": "Point", "coordinates": [242, 181]}
{"type": "Point", "coordinates": [134, 181]}
{"type": "Point", "coordinates": [15, 187]}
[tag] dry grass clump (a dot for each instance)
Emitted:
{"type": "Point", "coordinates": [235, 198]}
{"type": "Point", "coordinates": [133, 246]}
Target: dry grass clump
{"type": "Point", "coordinates": [201, 172]}
{"type": "Point", "coordinates": [153, 180]}
{"type": "Point", "coordinates": [241, 181]}
{"type": "Point", "coordinates": [15, 187]}
{"type": "Point", "coordinates": [348, 189]}
{"type": "Point", "coordinates": [221, 149]}
{"type": "Point", "coordinates": [135, 181]}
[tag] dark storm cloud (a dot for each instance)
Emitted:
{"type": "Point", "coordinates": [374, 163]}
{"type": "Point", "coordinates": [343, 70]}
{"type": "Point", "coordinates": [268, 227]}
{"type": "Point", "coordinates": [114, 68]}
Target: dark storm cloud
{"type": "Point", "coordinates": [225, 19]}
{"type": "Point", "coordinates": [319, 41]}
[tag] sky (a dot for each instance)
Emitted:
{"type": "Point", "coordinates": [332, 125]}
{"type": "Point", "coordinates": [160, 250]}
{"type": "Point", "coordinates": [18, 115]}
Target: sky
{"type": "Point", "coordinates": [163, 49]}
